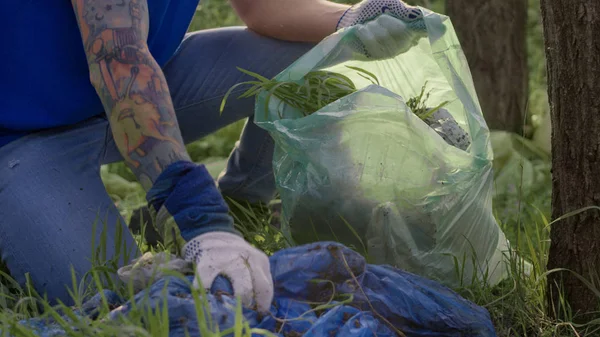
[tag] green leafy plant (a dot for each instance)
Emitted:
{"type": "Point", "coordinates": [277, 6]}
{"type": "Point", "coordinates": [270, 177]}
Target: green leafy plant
{"type": "Point", "coordinates": [319, 89]}
{"type": "Point", "coordinates": [418, 105]}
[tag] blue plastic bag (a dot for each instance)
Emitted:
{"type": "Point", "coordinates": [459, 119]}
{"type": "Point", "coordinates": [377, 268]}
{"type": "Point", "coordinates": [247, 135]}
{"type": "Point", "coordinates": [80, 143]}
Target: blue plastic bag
{"type": "Point", "coordinates": [369, 300]}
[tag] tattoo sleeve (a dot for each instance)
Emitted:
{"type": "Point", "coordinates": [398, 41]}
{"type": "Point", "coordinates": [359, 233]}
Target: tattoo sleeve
{"type": "Point", "coordinates": [130, 85]}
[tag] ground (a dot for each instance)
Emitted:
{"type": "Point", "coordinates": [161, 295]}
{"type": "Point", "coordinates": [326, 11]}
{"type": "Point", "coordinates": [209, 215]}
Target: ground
{"type": "Point", "coordinates": [517, 306]}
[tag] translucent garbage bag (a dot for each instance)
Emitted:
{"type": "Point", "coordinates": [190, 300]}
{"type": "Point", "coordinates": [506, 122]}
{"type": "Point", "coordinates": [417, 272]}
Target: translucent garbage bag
{"type": "Point", "coordinates": [369, 173]}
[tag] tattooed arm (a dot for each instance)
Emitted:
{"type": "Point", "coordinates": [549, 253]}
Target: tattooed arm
{"type": "Point", "coordinates": [189, 208]}
{"type": "Point", "coordinates": [130, 85]}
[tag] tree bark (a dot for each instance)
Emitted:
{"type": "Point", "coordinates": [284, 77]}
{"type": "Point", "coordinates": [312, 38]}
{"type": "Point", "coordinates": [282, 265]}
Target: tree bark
{"type": "Point", "coordinates": [571, 29]}
{"type": "Point", "coordinates": [492, 34]}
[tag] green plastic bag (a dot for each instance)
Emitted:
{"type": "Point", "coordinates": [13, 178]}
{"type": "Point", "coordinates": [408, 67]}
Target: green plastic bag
{"type": "Point", "coordinates": [367, 172]}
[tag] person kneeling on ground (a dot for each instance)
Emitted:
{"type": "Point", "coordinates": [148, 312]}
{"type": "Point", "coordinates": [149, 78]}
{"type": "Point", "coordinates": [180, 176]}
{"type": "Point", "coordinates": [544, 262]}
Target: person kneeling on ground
{"type": "Point", "coordinates": [101, 81]}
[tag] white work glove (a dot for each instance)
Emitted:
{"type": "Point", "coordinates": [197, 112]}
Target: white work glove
{"type": "Point", "coordinates": [387, 27]}
{"type": "Point", "coordinates": [229, 255]}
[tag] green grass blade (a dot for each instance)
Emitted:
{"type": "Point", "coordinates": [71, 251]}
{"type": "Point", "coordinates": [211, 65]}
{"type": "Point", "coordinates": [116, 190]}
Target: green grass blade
{"type": "Point", "coordinates": [365, 72]}
{"type": "Point", "coordinates": [253, 74]}
{"type": "Point", "coordinates": [224, 101]}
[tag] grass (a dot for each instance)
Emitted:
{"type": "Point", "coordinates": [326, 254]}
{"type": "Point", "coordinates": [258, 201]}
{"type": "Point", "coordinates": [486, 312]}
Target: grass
{"type": "Point", "coordinates": [521, 204]}
{"type": "Point", "coordinates": [320, 88]}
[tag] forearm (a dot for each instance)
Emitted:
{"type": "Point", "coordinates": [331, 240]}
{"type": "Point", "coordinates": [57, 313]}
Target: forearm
{"type": "Point", "coordinates": [142, 120]}
{"type": "Point", "coordinates": [132, 88]}
{"type": "Point", "coordinates": [291, 20]}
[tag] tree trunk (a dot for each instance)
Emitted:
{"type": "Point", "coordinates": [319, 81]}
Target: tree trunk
{"type": "Point", "coordinates": [493, 36]}
{"type": "Point", "coordinates": [571, 30]}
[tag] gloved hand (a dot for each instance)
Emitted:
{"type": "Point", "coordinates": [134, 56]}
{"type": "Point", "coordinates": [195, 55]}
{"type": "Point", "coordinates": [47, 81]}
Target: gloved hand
{"type": "Point", "coordinates": [387, 27]}
{"type": "Point", "coordinates": [191, 212]}
{"type": "Point", "coordinates": [229, 255]}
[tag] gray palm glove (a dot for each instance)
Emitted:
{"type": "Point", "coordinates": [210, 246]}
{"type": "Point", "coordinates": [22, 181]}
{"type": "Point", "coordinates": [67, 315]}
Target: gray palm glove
{"type": "Point", "coordinates": [387, 27]}
{"type": "Point", "coordinates": [369, 10]}
{"type": "Point", "coordinates": [229, 255]}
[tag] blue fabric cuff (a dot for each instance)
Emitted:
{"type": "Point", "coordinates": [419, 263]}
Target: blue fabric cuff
{"type": "Point", "coordinates": [190, 195]}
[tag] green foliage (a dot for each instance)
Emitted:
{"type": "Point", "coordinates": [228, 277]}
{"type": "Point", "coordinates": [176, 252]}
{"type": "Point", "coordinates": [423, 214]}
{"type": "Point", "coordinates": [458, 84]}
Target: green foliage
{"type": "Point", "coordinates": [522, 184]}
{"type": "Point", "coordinates": [419, 106]}
{"type": "Point", "coordinates": [319, 89]}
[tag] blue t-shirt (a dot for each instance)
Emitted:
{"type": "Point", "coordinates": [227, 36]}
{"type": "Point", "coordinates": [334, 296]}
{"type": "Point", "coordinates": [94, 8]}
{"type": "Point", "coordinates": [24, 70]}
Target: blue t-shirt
{"type": "Point", "coordinates": [44, 76]}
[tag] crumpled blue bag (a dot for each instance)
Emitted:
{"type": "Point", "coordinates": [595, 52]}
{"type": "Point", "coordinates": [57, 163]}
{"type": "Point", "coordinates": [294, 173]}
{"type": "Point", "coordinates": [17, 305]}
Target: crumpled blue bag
{"type": "Point", "coordinates": [372, 301]}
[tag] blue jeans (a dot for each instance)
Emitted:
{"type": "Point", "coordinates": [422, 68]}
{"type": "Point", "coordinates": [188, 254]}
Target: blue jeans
{"type": "Point", "coordinates": [50, 188]}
